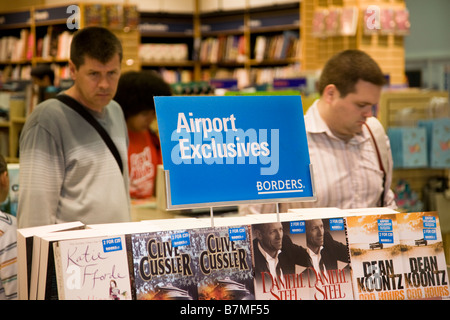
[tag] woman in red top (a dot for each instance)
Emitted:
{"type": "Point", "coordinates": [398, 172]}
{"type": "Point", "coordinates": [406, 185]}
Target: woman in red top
{"type": "Point", "coordinates": [135, 94]}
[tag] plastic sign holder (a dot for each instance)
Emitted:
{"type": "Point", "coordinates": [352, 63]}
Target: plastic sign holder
{"type": "Point", "coordinates": [233, 150]}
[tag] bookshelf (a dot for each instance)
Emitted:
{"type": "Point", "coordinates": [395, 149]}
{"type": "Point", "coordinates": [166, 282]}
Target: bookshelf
{"type": "Point", "coordinates": [17, 31]}
{"type": "Point", "coordinates": [42, 35]}
{"type": "Point", "coordinates": [252, 44]}
{"type": "Point", "coordinates": [405, 108]}
{"type": "Point", "coordinates": [167, 45]}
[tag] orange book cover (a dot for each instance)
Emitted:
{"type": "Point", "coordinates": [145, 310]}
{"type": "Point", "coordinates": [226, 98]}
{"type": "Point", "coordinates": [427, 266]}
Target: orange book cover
{"type": "Point", "coordinates": [376, 257]}
{"type": "Point", "coordinates": [425, 270]}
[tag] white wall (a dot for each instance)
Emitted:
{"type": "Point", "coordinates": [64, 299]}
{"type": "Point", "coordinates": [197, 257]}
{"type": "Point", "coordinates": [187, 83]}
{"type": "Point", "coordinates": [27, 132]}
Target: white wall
{"type": "Point", "coordinates": [427, 48]}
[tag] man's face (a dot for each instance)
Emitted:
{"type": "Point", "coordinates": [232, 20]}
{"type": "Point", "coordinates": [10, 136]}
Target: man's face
{"type": "Point", "coordinates": [95, 82]}
{"type": "Point", "coordinates": [350, 112]}
{"type": "Point", "coordinates": [271, 237]}
{"type": "Point", "coordinates": [314, 233]}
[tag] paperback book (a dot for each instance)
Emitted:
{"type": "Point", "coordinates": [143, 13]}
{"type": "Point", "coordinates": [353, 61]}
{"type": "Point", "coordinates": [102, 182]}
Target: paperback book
{"type": "Point", "coordinates": [376, 257]}
{"type": "Point", "coordinates": [28, 255]}
{"type": "Point", "coordinates": [301, 260]}
{"type": "Point", "coordinates": [225, 263]}
{"type": "Point", "coordinates": [165, 265]}
{"type": "Point", "coordinates": [92, 269]}
{"type": "Point", "coordinates": [425, 270]}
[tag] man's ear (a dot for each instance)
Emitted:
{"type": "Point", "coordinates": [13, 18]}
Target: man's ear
{"type": "Point", "coordinates": [330, 92]}
{"type": "Point", "coordinates": [72, 69]}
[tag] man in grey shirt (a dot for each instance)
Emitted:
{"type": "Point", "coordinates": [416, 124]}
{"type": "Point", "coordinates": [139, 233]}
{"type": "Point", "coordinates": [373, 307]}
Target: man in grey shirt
{"type": "Point", "coordinates": [67, 173]}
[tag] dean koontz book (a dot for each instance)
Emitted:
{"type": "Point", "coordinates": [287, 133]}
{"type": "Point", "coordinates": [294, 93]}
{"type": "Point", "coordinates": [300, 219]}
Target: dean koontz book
{"type": "Point", "coordinates": [165, 265]}
{"type": "Point", "coordinates": [425, 270]}
{"type": "Point", "coordinates": [376, 257]}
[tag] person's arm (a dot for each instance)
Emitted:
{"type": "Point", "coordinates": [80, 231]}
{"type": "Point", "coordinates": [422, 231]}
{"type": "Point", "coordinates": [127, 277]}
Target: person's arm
{"type": "Point", "coordinates": [41, 174]}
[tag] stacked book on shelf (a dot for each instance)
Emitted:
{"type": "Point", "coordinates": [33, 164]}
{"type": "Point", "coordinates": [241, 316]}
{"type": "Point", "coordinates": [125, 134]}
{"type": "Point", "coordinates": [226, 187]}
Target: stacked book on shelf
{"type": "Point", "coordinates": [277, 47]}
{"type": "Point", "coordinates": [54, 45]}
{"type": "Point", "coordinates": [305, 254]}
{"type": "Point", "coordinates": [223, 49]}
{"type": "Point", "coordinates": [153, 52]}
{"type": "Point", "coordinates": [17, 49]}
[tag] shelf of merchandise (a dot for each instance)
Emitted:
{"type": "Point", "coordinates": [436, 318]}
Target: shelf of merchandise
{"type": "Point", "coordinates": [416, 104]}
{"type": "Point", "coordinates": [244, 26]}
{"type": "Point", "coordinates": [387, 49]}
{"type": "Point", "coordinates": [19, 25]}
{"type": "Point", "coordinates": [168, 33]}
{"type": "Point", "coordinates": [51, 21]}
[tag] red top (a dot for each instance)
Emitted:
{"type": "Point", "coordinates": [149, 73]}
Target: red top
{"type": "Point", "coordinates": [143, 157]}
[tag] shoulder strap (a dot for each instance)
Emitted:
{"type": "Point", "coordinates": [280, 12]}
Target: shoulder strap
{"type": "Point", "coordinates": [377, 133]}
{"type": "Point", "coordinates": [75, 105]}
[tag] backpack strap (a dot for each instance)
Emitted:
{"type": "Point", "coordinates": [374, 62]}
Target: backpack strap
{"type": "Point", "coordinates": [378, 135]}
{"type": "Point", "coordinates": [75, 105]}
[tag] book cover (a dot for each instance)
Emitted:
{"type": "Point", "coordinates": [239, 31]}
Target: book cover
{"type": "Point", "coordinates": [92, 269]}
{"type": "Point", "coordinates": [165, 265]}
{"type": "Point", "coordinates": [438, 141]}
{"type": "Point", "coordinates": [349, 20]}
{"type": "Point", "coordinates": [44, 279]}
{"type": "Point", "coordinates": [332, 21]}
{"type": "Point", "coordinates": [319, 27]}
{"type": "Point", "coordinates": [375, 257]}
{"type": "Point", "coordinates": [275, 276]}
{"type": "Point", "coordinates": [329, 273]}
{"type": "Point", "coordinates": [425, 269]}
{"type": "Point", "coordinates": [225, 263]}
{"type": "Point", "coordinates": [409, 146]}
{"type": "Point", "coordinates": [301, 260]}
{"type": "Point", "coordinates": [402, 22]}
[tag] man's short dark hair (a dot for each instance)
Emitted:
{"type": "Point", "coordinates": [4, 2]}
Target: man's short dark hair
{"type": "Point", "coordinates": [346, 68]}
{"type": "Point", "coordinates": [95, 42]}
{"type": "Point", "coordinates": [136, 90]}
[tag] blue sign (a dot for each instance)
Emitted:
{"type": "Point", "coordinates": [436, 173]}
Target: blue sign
{"type": "Point", "coordinates": [296, 227]}
{"type": "Point", "coordinates": [429, 234]}
{"type": "Point", "coordinates": [385, 225]}
{"type": "Point", "coordinates": [228, 150]}
{"type": "Point", "coordinates": [180, 239]}
{"type": "Point", "coordinates": [237, 233]}
{"type": "Point", "coordinates": [337, 224]}
{"type": "Point", "coordinates": [386, 237]}
{"type": "Point", "coordinates": [113, 244]}
{"type": "Point", "coordinates": [429, 222]}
